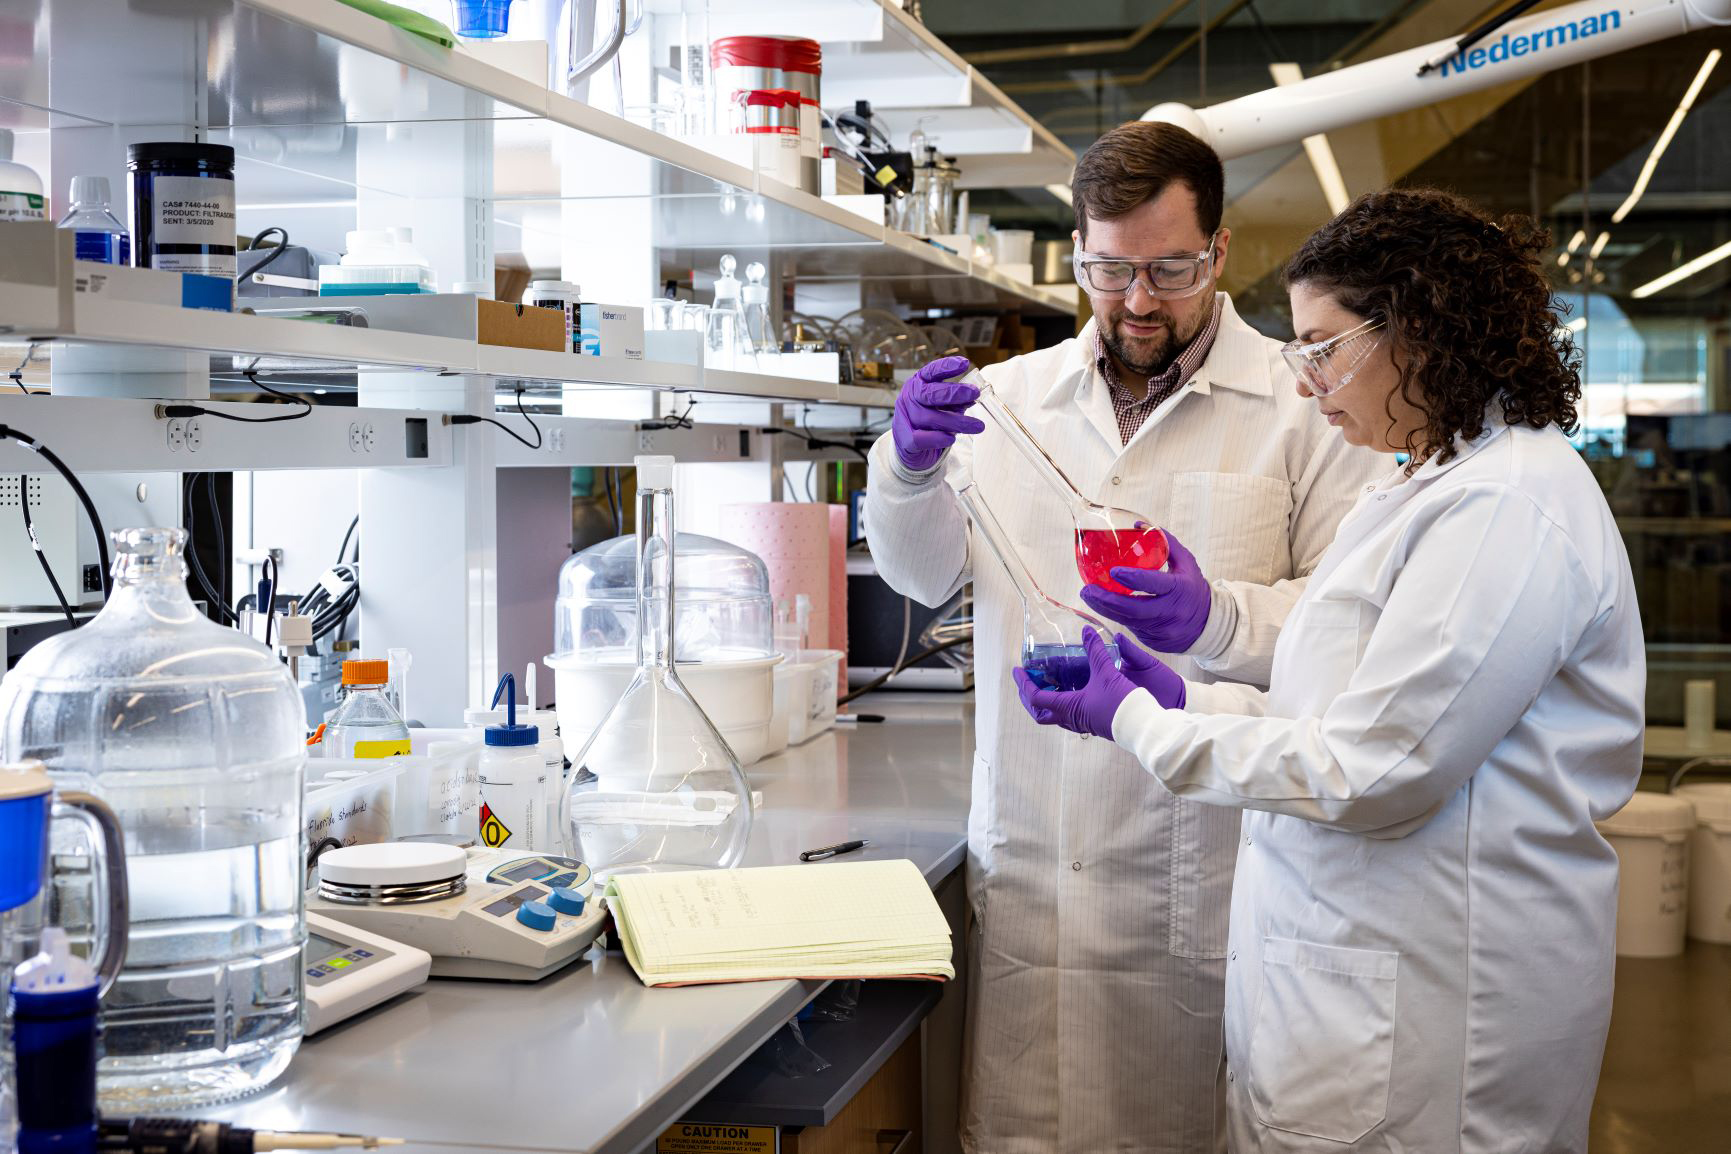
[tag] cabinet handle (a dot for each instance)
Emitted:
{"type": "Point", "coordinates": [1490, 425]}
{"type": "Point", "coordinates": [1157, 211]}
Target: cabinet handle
{"type": "Point", "coordinates": [901, 1138]}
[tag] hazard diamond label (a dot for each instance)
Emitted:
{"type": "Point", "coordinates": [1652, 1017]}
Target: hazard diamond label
{"type": "Point", "coordinates": [494, 833]}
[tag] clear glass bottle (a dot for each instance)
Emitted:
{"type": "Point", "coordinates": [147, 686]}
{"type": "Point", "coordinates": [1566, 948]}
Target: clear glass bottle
{"type": "Point", "coordinates": [722, 325]}
{"type": "Point", "coordinates": [759, 334]}
{"type": "Point", "coordinates": [98, 234]}
{"type": "Point", "coordinates": [656, 787]}
{"type": "Point", "coordinates": [1106, 537]}
{"type": "Point", "coordinates": [195, 736]}
{"type": "Point", "coordinates": [1052, 650]}
{"type": "Point", "coordinates": [366, 724]}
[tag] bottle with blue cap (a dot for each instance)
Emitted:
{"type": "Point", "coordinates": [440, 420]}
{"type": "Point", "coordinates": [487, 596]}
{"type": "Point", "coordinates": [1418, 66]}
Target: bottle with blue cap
{"type": "Point", "coordinates": [54, 1033]}
{"type": "Point", "coordinates": [513, 777]}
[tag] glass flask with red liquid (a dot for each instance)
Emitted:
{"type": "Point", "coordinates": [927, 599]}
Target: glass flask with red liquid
{"type": "Point", "coordinates": [1052, 650]}
{"type": "Point", "coordinates": [1106, 537]}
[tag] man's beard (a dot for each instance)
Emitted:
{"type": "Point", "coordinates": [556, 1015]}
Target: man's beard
{"type": "Point", "coordinates": [1150, 356]}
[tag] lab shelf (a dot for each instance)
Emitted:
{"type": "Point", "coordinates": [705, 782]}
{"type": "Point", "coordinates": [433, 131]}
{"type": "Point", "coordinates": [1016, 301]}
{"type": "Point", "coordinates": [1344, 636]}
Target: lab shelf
{"type": "Point", "coordinates": [759, 1092]}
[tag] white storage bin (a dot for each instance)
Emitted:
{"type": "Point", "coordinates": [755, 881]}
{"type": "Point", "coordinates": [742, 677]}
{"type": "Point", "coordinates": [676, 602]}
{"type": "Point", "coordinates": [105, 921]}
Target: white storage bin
{"type": "Point", "coordinates": [1710, 862]}
{"type": "Point", "coordinates": [353, 801]}
{"type": "Point", "coordinates": [440, 787]}
{"type": "Point", "coordinates": [805, 693]}
{"type": "Point", "coordinates": [738, 696]}
{"type": "Point", "coordinates": [1651, 836]}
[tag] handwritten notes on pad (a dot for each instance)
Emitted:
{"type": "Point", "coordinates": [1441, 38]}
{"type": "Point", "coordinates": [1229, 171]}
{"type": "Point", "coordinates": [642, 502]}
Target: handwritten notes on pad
{"type": "Point", "coordinates": [869, 919]}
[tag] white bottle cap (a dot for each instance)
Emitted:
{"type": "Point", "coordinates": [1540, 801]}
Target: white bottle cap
{"type": "Point", "coordinates": [90, 190]}
{"type": "Point", "coordinates": [654, 473]}
{"type": "Point", "coordinates": [558, 288]}
{"type": "Point", "coordinates": [479, 288]}
{"type": "Point", "coordinates": [401, 234]}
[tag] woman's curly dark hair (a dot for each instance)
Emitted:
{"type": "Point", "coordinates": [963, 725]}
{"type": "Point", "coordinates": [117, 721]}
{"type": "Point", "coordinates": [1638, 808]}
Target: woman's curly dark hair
{"type": "Point", "coordinates": [1467, 304]}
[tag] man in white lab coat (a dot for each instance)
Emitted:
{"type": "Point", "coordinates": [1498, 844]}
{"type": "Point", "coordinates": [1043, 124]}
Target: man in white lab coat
{"type": "Point", "coordinates": [1099, 900]}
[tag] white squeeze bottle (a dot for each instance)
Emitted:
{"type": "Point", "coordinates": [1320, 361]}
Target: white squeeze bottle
{"type": "Point", "coordinates": [20, 188]}
{"type": "Point", "coordinates": [513, 776]}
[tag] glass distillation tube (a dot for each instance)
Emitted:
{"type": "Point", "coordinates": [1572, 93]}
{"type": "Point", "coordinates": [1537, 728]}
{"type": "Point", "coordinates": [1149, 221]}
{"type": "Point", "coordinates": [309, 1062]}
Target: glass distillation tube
{"type": "Point", "coordinates": [1106, 537]}
{"type": "Point", "coordinates": [656, 788]}
{"type": "Point", "coordinates": [1052, 651]}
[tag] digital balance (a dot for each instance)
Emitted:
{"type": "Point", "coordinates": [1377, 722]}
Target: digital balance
{"type": "Point", "coordinates": [348, 970]}
{"type": "Point", "coordinates": [480, 913]}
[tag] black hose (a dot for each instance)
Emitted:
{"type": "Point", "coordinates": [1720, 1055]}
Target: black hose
{"type": "Point", "coordinates": [47, 569]}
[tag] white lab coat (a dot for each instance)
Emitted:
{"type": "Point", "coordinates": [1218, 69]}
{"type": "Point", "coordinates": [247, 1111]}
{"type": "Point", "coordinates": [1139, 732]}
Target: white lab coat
{"type": "Point", "coordinates": [1100, 901]}
{"type": "Point", "coordinates": [1423, 925]}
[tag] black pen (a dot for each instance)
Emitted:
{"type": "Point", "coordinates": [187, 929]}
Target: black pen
{"type": "Point", "coordinates": [832, 850]}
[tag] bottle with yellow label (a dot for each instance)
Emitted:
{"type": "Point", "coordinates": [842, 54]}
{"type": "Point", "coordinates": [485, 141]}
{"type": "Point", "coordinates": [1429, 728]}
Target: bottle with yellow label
{"type": "Point", "coordinates": [365, 724]}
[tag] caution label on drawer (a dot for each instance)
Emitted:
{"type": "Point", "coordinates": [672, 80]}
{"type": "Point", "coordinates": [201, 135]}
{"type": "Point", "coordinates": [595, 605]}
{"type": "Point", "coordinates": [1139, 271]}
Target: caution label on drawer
{"type": "Point", "coordinates": [716, 1138]}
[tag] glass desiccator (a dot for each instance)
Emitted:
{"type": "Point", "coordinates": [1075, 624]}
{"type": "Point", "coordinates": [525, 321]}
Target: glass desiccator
{"type": "Point", "coordinates": [656, 787]}
{"type": "Point", "coordinates": [1052, 650]}
{"type": "Point", "coordinates": [1106, 537]}
{"type": "Point", "coordinates": [195, 736]}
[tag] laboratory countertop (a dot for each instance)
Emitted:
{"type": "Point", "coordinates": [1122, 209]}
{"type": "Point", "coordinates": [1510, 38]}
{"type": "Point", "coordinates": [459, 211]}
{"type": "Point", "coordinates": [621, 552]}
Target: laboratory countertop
{"type": "Point", "coordinates": [590, 1060]}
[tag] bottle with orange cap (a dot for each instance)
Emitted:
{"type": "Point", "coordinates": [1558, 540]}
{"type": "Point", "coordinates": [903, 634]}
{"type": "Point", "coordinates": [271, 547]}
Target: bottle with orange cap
{"type": "Point", "coordinates": [366, 724]}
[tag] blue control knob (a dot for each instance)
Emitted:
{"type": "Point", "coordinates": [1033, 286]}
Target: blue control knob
{"type": "Point", "coordinates": [566, 901]}
{"type": "Point", "coordinates": [536, 915]}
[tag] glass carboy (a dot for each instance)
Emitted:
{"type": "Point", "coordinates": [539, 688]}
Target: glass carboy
{"type": "Point", "coordinates": [194, 735]}
{"type": "Point", "coordinates": [656, 787]}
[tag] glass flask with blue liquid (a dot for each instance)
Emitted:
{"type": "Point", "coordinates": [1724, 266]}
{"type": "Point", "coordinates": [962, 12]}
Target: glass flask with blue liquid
{"type": "Point", "coordinates": [1052, 651]}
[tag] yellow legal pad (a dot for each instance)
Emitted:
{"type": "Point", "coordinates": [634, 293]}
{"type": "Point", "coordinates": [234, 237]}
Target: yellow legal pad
{"type": "Point", "coordinates": [869, 919]}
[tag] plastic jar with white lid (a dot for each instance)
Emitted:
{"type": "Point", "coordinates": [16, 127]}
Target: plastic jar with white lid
{"type": "Point", "coordinates": [1651, 836]}
{"type": "Point", "coordinates": [1710, 861]}
{"type": "Point", "coordinates": [557, 294]}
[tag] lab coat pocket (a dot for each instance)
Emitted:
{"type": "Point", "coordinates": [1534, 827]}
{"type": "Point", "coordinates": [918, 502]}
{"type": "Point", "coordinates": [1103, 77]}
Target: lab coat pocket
{"type": "Point", "coordinates": [1235, 524]}
{"type": "Point", "coordinates": [1204, 852]}
{"type": "Point", "coordinates": [1322, 1044]}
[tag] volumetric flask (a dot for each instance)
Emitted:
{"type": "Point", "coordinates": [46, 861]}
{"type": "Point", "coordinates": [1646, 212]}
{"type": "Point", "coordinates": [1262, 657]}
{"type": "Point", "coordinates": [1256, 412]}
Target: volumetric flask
{"type": "Point", "coordinates": [1052, 650]}
{"type": "Point", "coordinates": [1106, 537]}
{"type": "Point", "coordinates": [656, 787]}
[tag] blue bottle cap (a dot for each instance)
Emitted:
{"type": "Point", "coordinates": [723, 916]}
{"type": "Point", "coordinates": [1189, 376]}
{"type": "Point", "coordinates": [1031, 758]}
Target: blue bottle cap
{"type": "Point", "coordinates": [24, 799]}
{"type": "Point", "coordinates": [510, 733]}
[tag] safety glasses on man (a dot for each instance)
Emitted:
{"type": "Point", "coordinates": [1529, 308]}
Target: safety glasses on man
{"type": "Point", "coordinates": [1329, 366]}
{"type": "Point", "coordinates": [1164, 278]}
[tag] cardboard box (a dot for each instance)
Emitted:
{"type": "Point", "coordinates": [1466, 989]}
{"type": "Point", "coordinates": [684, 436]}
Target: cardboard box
{"type": "Point", "coordinates": [520, 326]}
{"type": "Point", "coordinates": [610, 331]}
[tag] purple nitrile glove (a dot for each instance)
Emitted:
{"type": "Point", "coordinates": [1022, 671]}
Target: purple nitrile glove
{"type": "Point", "coordinates": [1150, 673]}
{"type": "Point", "coordinates": [1168, 610]}
{"type": "Point", "coordinates": [929, 413]}
{"type": "Point", "coordinates": [1089, 709]}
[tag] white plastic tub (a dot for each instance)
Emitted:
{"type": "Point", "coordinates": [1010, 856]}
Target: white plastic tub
{"type": "Point", "coordinates": [805, 692]}
{"type": "Point", "coordinates": [738, 696]}
{"type": "Point", "coordinates": [1651, 836]}
{"type": "Point", "coordinates": [1710, 862]}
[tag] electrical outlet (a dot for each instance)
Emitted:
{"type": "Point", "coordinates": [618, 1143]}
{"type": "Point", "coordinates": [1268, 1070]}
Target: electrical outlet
{"type": "Point", "coordinates": [645, 441]}
{"type": "Point", "coordinates": [194, 435]}
{"type": "Point", "coordinates": [556, 440]}
{"type": "Point", "coordinates": [354, 436]}
{"type": "Point", "coordinates": [93, 578]}
{"type": "Point", "coordinates": [176, 435]}
{"type": "Point", "coordinates": [369, 436]}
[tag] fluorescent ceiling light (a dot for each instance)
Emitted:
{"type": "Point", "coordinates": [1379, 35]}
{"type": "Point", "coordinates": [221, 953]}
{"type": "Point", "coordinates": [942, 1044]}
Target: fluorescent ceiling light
{"type": "Point", "coordinates": [1664, 141]}
{"type": "Point", "coordinates": [1062, 192]}
{"type": "Point", "coordinates": [281, 205]}
{"type": "Point", "coordinates": [1576, 325]}
{"type": "Point", "coordinates": [1562, 259]}
{"type": "Point", "coordinates": [1578, 239]}
{"type": "Point", "coordinates": [1599, 245]}
{"type": "Point", "coordinates": [1316, 147]}
{"type": "Point", "coordinates": [1683, 271]}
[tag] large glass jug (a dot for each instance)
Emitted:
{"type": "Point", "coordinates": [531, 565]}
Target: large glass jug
{"type": "Point", "coordinates": [656, 787]}
{"type": "Point", "coordinates": [194, 735]}
{"type": "Point", "coordinates": [1106, 537]}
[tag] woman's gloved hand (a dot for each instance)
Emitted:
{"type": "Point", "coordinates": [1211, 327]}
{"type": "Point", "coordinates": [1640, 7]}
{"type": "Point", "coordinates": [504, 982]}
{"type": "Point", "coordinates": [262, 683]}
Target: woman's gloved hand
{"type": "Point", "coordinates": [1168, 610]}
{"type": "Point", "coordinates": [1091, 708]}
{"type": "Point", "coordinates": [930, 412]}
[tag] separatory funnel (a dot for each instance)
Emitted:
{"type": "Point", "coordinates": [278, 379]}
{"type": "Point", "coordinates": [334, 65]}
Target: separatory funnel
{"type": "Point", "coordinates": [1106, 537]}
{"type": "Point", "coordinates": [1052, 650]}
{"type": "Point", "coordinates": [656, 787]}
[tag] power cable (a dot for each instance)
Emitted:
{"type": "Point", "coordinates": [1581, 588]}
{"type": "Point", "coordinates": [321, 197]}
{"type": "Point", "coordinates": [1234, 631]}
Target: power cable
{"type": "Point", "coordinates": [343, 549]}
{"type": "Point", "coordinates": [281, 248]}
{"type": "Point", "coordinates": [47, 569]}
{"type": "Point", "coordinates": [914, 660]}
{"type": "Point", "coordinates": [473, 419]}
{"type": "Point", "coordinates": [78, 488]}
{"type": "Point", "coordinates": [194, 563]}
{"type": "Point", "coordinates": [17, 374]}
{"type": "Point", "coordinates": [166, 412]}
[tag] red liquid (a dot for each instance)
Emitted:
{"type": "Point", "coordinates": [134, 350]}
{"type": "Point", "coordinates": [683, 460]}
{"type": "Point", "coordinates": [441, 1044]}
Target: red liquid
{"type": "Point", "coordinates": [1099, 551]}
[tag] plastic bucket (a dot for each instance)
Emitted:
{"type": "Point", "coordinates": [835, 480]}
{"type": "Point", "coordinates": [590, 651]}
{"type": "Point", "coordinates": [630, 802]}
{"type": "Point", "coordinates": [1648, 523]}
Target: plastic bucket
{"type": "Point", "coordinates": [1651, 836]}
{"type": "Point", "coordinates": [1710, 862]}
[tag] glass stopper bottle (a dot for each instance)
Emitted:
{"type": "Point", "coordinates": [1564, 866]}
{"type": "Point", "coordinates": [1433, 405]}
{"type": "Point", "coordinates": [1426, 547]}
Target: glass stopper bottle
{"type": "Point", "coordinates": [759, 336]}
{"type": "Point", "coordinates": [1106, 537]}
{"type": "Point", "coordinates": [1052, 650]}
{"type": "Point", "coordinates": [656, 787]}
{"type": "Point", "coordinates": [722, 326]}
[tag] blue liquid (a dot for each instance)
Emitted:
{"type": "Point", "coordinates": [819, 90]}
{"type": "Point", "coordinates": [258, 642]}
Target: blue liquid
{"type": "Point", "coordinates": [1057, 666]}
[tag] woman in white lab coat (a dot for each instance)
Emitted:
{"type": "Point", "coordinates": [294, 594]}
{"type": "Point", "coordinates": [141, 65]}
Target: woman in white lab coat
{"type": "Point", "coordinates": [1422, 932]}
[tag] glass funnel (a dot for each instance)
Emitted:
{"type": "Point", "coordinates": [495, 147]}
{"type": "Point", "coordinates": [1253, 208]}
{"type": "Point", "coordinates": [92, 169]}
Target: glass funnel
{"type": "Point", "coordinates": [1052, 651]}
{"type": "Point", "coordinates": [1106, 537]}
{"type": "Point", "coordinates": [656, 787]}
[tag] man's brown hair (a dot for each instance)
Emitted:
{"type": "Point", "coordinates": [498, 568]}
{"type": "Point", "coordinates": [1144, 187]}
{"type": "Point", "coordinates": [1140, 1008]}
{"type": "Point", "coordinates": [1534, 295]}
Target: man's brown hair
{"type": "Point", "coordinates": [1133, 164]}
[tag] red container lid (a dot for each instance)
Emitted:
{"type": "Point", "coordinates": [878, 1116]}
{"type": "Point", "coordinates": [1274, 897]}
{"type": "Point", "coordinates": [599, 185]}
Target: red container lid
{"type": "Point", "coordinates": [788, 53]}
{"type": "Point", "coordinates": [772, 97]}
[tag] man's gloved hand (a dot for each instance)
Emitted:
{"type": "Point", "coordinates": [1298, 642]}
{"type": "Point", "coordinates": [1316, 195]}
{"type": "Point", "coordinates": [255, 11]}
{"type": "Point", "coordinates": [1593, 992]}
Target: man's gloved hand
{"type": "Point", "coordinates": [929, 413]}
{"type": "Point", "coordinates": [1091, 708]}
{"type": "Point", "coordinates": [1169, 609]}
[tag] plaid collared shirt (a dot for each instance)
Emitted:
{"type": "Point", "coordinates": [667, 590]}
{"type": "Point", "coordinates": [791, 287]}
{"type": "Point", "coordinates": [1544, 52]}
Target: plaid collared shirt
{"type": "Point", "coordinates": [1132, 412]}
